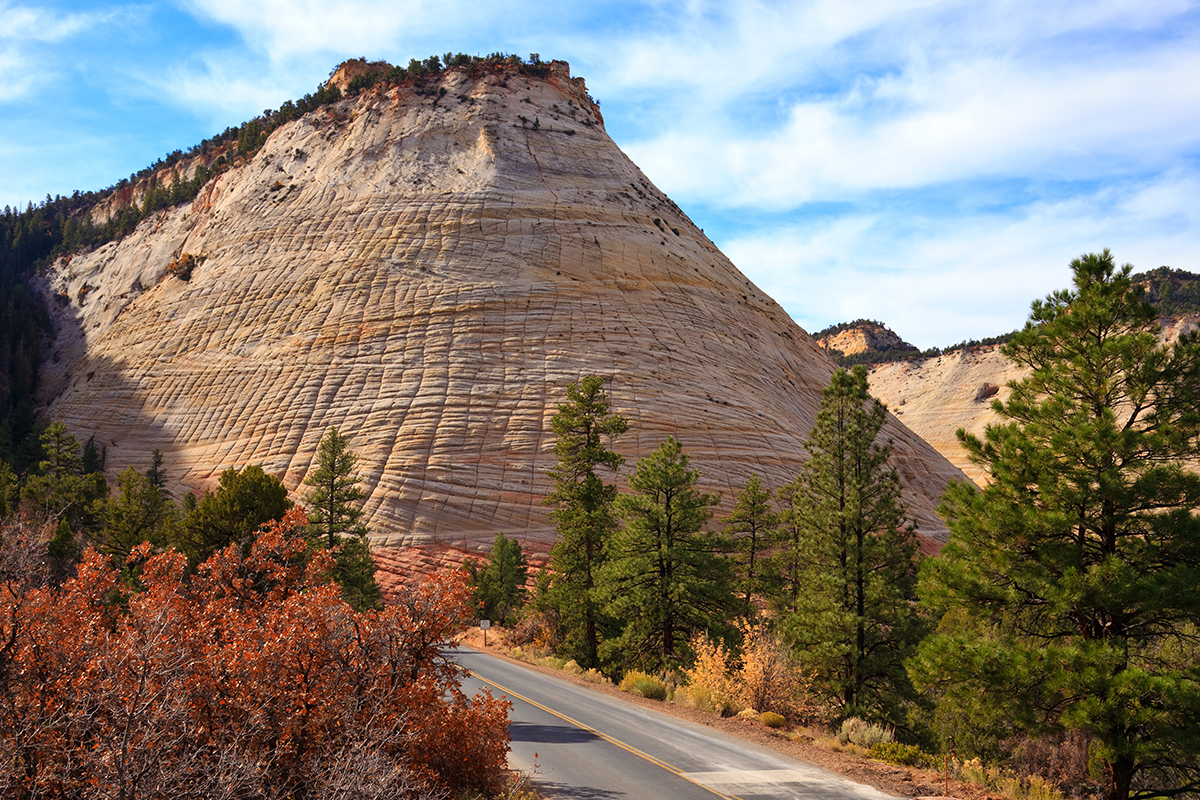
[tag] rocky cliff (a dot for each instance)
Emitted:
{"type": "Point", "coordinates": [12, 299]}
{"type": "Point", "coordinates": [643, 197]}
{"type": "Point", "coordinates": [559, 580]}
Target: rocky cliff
{"type": "Point", "coordinates": [862, 336]}
{"type": "Point", "coordinates": [425, 266]}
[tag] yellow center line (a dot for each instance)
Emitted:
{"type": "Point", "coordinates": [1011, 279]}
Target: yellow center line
{"type": "Point", "coordinates": [656, 761]}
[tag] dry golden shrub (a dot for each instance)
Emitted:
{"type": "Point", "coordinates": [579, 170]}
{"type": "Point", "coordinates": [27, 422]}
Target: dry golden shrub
{"type": "Point", "coordinates": [768, 679]}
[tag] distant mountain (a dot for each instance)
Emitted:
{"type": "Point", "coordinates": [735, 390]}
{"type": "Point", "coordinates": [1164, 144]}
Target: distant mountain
{"type": "Point", "coordinates": [1176, 292]}
{"type": "Point", "coordinates": [863, 338]}
{"type": "Point", "coordinates": [941, 391]}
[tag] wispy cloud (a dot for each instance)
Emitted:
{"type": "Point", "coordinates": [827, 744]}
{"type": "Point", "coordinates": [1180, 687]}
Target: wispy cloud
{"type": "Point", "coordinates": [26, 36]}
{"type": "Point", "coordinates": [26, 23]}
{"type": "Point", "coordinates": [938, 280]}
{"type": "Point", "coordinates": [931, 163]}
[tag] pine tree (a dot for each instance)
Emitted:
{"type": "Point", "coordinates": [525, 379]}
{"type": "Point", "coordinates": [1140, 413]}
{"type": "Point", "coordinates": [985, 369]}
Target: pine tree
{"type": "Point", "coordinates": [334, 513]}
{"type": "Point", "coordinates": [853, 624]}
{"type": "Point", "coordinates": [61, 489]}
{"type": "Point", "coordinates": [333, 502]}
{"type": "Point", "coordinates": [1078, 566]}
{"type": "Point", "coordinates": [140, 512]}
{"type": "Point", "coordinates": [500, 583]}
{"type": "Point", "coordinates": [667, 577]}
{"type": "Point", "coordinates": [233, 513]}
{"type": "Point", "coordinates": [8, 490]}
{"type": "Point", "coordinates": [583, 513]}
{"type": "Point", "coordinates": [751, 527]}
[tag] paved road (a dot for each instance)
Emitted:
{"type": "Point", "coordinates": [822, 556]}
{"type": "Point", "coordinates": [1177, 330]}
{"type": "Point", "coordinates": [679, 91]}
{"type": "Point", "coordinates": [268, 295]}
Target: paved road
{"type": "Point", "coordinates": [590, 746]}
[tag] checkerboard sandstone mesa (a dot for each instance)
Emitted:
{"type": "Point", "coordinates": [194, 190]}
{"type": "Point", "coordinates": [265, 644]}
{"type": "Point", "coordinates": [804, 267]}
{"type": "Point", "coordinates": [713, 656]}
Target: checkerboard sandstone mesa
{"type": "Point", "coordinates": [425, 265]}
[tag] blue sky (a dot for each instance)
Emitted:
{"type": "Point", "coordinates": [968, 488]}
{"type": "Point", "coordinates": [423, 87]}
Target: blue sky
{"type": "Point", "coordinates": [931, 164]}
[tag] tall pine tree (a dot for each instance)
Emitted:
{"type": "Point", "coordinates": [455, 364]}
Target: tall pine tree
{"type": "Point", "coordinates": [667, 577]}
{"type": "Point", "coordinates": [583, 513]}
{"type": "Point", "coordinates": [334, 513]}
{"type": "Point", "coordinates": [332, 503]}
{"type": "Point", "coordinates": [853, 623]}
{"type": "Point", "coordinates": [752, 526]}
{"type": "Point", "coordinates": [1078, 567]}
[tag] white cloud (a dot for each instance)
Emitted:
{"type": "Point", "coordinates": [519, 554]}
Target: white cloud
{"type": "Point", "coordinates": [25, 34]}
{"type": "Point", "coordinates": [24, 23]}
{"type": "Point", "coordinates": [980, 118]}
{"type": "Point", "coordinates": [287, 30]}
{"type": "Point", "coordinates": [15, 77]}
{"type": "Point", "coordinates": [937, 281]}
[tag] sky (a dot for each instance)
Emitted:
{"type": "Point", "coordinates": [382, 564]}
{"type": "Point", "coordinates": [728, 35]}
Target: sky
{"type": "Point", "coordinates": [931, 164]}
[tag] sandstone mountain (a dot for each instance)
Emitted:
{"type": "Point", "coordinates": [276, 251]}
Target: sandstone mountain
{"type": "Point", "coordinates": [937, 396]}
{"type": "Point", "coordinates": [426, 266]}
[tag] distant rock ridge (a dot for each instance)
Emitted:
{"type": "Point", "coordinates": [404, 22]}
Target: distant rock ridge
{"type": "Point", "coordinates": [861, 336]}
{"type": "Point", "coordinates": [426, 267]}
{"type": "Point", "coordinates": [937, 396]}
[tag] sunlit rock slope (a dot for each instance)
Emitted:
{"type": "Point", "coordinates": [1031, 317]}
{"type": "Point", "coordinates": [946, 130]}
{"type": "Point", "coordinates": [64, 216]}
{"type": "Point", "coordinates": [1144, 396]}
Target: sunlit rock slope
{"type": "Point", "coordinates": [426, 270]}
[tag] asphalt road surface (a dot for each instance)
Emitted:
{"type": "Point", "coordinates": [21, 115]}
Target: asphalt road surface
{"type": "Point", "coordinates": [589, 746]}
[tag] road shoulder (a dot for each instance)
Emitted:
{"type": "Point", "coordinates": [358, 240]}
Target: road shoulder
{"type": "Point", "coordinates": [890, 778]}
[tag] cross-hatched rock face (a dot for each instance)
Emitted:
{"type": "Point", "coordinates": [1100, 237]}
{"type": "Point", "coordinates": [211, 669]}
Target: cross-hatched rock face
{"type": "Point", "coordinates": [427, 271]}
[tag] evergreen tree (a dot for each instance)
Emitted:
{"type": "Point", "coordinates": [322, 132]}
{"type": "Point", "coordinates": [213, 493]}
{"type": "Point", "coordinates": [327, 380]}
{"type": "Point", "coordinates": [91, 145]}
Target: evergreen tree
{"type": "Point", "coordinates": [8, 490]}
{"type": "Point", "coordinates": [61, 489]}
{"type": "Point", "coordinates": [354, 571]}
{"type": "Point", "coordinates": [500, 583]}
{"type": "Point", "coordinates": [583, 513]}
{"type": "Point", "coordinates": [667, 577]}
{"type": "Point", "coordinates": [784, 571]}
{"type": "Point", "coordinates": [1079, 563]}
{"type": "Point", "coordinates": [854, 623]}
{"type": "Point", "coordinates": [334, 513]}
{"type": "Point", "coordinates": [333, 502]}
{"type": "Point", "coordinates": [751, 526]}
{"type": "Point", "coordinates": [156, 475]}
{"type": "Point", "coordinates": [233, 513]}
{"type": "Point", "coordinates": [139, 512]}
{"type": "Point", "coordinates": [63, 552]}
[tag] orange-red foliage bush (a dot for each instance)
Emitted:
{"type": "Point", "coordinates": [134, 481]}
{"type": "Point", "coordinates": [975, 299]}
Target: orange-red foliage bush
{"type": "Point", "coordinates": [253, 679]}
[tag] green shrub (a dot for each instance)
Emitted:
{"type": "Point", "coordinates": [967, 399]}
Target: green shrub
{"type": "Point", "coordinates": [772, 720]}
{"type": "Point", "coordinates": [572, 668]}
{"type": "Point", "coordinates": [636, 682]}
{"type": "Point", "coordinates": [908, 755]}
{"type": "Point", "coordinates": [553, 662]}
{"type": "Point", "coordinates": [864, 734]}
{"type": "Point", "coordinates": [705, 698]}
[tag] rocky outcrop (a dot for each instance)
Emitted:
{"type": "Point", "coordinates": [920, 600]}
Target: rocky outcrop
{"type": "Point", "coordinates": [426, 267]}
{"type": "Point", "coordinates": [863, 336]}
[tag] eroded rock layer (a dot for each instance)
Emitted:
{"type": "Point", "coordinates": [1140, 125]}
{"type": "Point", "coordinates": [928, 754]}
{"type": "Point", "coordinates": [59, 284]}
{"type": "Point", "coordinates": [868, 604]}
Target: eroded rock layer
{"type": "Point", "coordinates": [426, 270]}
